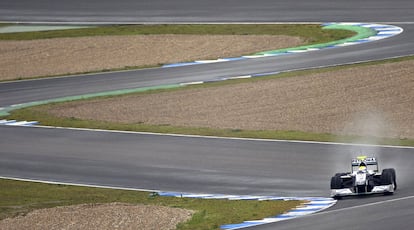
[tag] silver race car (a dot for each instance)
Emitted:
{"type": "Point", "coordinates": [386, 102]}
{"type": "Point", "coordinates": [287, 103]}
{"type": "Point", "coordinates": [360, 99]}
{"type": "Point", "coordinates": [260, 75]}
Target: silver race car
{"type": "Point", "coordinates": [364, 178]}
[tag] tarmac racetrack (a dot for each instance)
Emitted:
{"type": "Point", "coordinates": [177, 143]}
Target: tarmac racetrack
{"type": "Point", "coordinates": [209, 165]}
{"type": "Point", "coordinates": [207, 11]}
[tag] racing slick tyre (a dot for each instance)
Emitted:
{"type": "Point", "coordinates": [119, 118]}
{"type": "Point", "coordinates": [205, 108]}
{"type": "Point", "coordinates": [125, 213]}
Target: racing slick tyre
{"type": "Point", "coordinates": [336, 182]}
{"type": "Point", "coordinates": [388, 177]}
{"type": "Point", "coordinates": [394, 177]}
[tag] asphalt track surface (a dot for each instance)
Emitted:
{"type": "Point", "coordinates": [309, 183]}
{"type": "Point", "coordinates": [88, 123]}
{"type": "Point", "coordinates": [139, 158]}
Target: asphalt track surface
{"type": "Point", "coordinates": [206, 11]}
{"type": "Point", "coordinates": [209, 165]}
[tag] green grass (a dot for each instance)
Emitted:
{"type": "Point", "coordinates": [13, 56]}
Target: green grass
{"type": "Point", "coordinates": [311, 32]}
{"type": "Point", "coordinates": [19, 198]}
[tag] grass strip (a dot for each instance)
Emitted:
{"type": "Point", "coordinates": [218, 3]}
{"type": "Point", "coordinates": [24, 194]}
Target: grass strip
{"type": "Point", "coordinates": [6, 24]}
{"type": "Point", "coordinates": [360, 33]}
{"type": "Point", "coordinates": [5, 111]}
{"type": "Point", "coordinates": [19, 198]}
{"type": "Point", "coordinates": [313, 33]}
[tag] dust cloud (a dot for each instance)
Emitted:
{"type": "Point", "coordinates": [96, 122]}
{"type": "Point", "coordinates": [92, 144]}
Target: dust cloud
{"type": "Point", "coordinates": [370, 125]}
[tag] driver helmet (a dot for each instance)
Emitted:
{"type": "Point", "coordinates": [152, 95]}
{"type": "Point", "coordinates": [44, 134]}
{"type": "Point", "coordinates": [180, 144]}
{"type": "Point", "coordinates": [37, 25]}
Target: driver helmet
{"type": "Point", "coordinates": [362, 166]}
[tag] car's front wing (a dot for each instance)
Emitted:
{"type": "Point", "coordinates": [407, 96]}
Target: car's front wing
{"type": "Point", "coordinates": [376, 190]}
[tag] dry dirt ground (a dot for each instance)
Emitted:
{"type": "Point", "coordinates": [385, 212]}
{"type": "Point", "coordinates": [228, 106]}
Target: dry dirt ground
{"type": "Point", "coordinates": [371, 100]}
{"type": "Point", "coordinates": [100, 216]}
{"type": "Point", "coordinates": [23, 59]}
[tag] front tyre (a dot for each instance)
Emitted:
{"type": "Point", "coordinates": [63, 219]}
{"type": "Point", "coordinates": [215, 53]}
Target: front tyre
{"type": "Point", "coordinates": [388, 177]}
{"type": "Point", "coordinates": [336, 182]}
{"type": "Point", "coordinates": [394, 176]}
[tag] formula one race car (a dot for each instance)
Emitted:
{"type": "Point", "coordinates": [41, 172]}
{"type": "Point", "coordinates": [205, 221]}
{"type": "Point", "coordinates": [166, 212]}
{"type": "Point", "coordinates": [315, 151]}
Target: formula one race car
{"type": "Point", "coordinates": [364, 178]}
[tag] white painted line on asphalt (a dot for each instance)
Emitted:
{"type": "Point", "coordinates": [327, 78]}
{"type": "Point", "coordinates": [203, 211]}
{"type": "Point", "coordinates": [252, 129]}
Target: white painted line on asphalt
{"type": "Point", "coordinates": [240, 77]}
{"type": "Point", "coordinates": [311, 207]}
{"type": "Point", "coordinates": [210, 61]}
{"type": "Point", "coordinates": [347, 44]}
{"type": "Point", "coordinates": [193, 83]}
{"type": "Point", "coordinates": [374, 38]}
{"type": "Point", "coordinates": [225, 138]}
{"type": "Point", "coordinates": [313, 49]}
{"type": "Point", "coordinates": [364, 205]}
{"type": "Point", "coordinates": [272, 55]}
{"type": "Point", "coordinates": [253, 56]}
{"type": "Point", "coordinates": [76, 184]}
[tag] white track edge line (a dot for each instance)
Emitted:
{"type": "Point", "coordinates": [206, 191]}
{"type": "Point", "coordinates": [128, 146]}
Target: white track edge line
{"type": "Point", "coordinates": [363, 205]}
{"type": "Point", "coordinates": [225, 138]}
{"type": "Point", "coordinates": [77, 184]}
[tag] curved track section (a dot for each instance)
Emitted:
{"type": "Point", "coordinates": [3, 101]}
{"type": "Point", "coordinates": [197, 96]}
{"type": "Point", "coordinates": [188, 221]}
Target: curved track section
{"type": "Point", "coordinates": [209, 165]}
{"type": "Point", "coordinates": [376, 32]}
{"type": "Point", "coordinates": [12, 93]}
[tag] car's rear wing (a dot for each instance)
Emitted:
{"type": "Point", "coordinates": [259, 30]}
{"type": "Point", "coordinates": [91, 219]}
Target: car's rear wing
{"type": "Point", "coordinates": [370, 162]}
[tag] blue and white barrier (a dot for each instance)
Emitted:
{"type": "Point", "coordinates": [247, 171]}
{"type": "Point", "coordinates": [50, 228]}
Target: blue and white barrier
{"type": "Point", "coordinates": [313, 205]}
{"type": "Point", "coordinates": [18, 123]}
